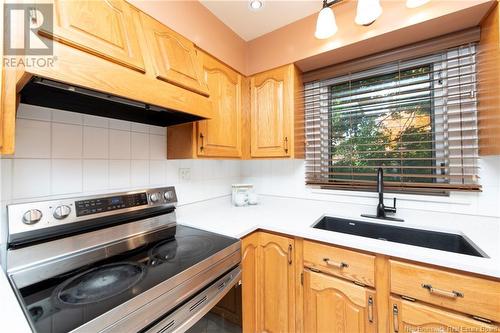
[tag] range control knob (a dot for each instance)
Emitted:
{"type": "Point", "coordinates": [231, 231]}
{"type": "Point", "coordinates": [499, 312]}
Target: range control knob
{"type": "Point", "coordinates": [169, 195]}
{"type": "Point", "coordinates": [62, 212]}
{"type": "Point", "coordinates": [154, 197]}
{"type": "Point", "coordinates": [32, 216]}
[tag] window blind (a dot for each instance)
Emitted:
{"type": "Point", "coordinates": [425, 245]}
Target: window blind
{"type": "Point", "coordinates": [416, 119]}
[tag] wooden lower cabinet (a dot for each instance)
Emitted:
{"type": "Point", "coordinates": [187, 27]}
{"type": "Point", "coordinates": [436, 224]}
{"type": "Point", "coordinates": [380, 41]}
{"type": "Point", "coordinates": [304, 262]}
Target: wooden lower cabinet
{"type": "Point", "coordinates": [268, 283]}
{"type": "Point", "coordinates": [276, 299]}
{"type": "Point", "coordinates": [333, 305]}
{"type": "Point", "coordinates": [416, 317]}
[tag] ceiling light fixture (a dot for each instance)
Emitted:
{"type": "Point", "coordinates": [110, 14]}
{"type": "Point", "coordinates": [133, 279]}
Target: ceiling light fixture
{"type": "Point", "coordinates": [326, 25]}
{"type": "Point", "coordinates": [416, 3]}
{"type": "Point", "coordinates": [367, 12]}
{"type": "Point", "coordinates": [256, 4]}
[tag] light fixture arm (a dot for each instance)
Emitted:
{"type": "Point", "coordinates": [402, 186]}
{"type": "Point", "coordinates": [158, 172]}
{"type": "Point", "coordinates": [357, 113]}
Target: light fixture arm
{"type": "Point", "coordinates": [327, 3]}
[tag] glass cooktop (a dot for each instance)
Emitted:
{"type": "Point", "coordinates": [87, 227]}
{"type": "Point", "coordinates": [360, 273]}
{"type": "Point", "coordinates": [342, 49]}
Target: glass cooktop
{"type": "Point", "coordinates": [65, 302]}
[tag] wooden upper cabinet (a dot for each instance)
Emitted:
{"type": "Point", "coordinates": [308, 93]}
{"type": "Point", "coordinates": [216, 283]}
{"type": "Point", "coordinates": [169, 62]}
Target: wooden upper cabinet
{"type": "Point", "coordinates": [268, 283]}
{"type": "Point", "coordinates": [271, 113]}
{"type": "Point", "coordinates": [332, 305]}
{"type": "Point", "coordinates": [488, 67]}
{"type": "Point", "coordinates": [274, 110]}
{"type": "Point", "coordinates": [105, 28]}
{"type": "Point", "coordinates": [174, 57]}
{"type": "Point", "coordinates": [409, 316]}
{"type": "Point", "coordinates": [221, 135]}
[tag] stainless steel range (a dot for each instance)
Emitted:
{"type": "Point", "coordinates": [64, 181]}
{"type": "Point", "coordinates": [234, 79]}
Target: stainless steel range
{"type": "Point", "coordinates": [119, 263]}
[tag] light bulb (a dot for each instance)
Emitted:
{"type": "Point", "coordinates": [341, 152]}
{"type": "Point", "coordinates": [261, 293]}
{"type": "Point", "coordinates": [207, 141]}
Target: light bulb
{"type": "Point", "coordinates": [256, 4]}
{"type": "Point", "coordinates": [326, 26]}
{"type": "Point", "coordinates": [416, 3]}
{"type": "Point", "coordinates": [368, 11]}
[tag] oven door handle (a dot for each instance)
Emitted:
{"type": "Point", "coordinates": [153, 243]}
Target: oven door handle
{"type": "Point", "coordinates": [190, 313]}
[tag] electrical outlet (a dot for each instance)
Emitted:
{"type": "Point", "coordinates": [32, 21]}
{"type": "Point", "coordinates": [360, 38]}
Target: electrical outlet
{"type": "Point", "coordinates": [184, 174]}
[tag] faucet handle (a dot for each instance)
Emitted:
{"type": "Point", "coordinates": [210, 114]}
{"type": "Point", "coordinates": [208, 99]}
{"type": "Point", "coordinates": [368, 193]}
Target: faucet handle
{"type": "Point", "coordinates": [391, 209]}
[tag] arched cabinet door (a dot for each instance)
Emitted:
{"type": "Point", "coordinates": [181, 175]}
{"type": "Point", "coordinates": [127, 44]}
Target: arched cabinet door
{"type": "Point", "coordinates": [105, 28]}
{"type": "Point", "coordinates": [174, 57]}
{"type": "Point", "coordinates": [415, 317]}
{"type": "Point", "coordinates": [268, 283]}
{"type": "Point", "coordinates": [220, 136]}
{"type": "Point", "coordinates": [333, 305]}
{"type": "Point", "coordinates": [272, 102]}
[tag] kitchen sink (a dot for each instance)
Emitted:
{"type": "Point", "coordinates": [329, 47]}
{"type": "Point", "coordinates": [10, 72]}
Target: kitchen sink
{"type": "Point", "coordinates": [425, 238]}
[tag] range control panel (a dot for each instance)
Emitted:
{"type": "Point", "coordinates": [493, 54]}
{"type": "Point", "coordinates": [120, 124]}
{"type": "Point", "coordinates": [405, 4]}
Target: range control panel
{"type": "Point", "coordinates": [34, 216]}
{"type": "Point", "coordinates": [99, 205]}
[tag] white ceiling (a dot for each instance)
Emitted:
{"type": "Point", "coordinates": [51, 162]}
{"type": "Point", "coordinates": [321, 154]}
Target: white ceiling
{"type": "Point", "coordinates": [249, 24]}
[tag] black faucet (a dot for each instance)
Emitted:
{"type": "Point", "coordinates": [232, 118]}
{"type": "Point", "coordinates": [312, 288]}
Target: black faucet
{"type": "Point", "coordinates": [381, 208]}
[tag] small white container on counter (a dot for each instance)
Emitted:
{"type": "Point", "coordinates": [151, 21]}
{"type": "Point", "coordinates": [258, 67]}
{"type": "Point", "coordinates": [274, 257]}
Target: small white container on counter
{"type": "Point", "coordinates": [240, 194]}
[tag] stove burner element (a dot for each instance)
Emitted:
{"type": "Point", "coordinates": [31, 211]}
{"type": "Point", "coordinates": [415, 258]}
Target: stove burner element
{"type": "Point", "coordinates": [182, 247]}
{"type": "Point", "coordinates": [99, 283]}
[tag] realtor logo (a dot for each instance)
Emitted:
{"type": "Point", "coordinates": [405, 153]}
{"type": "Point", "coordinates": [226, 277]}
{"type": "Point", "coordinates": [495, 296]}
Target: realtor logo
{"type": "Point", "coordinates": [21, 25]}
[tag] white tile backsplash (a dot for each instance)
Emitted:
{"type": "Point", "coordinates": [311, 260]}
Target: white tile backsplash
{"type": "Point", "coordinates": [119, 144]}
{"type": "Point", "coordinates": [95, 142]}
{"type": "Point", "coordinates": [119, 174]}
{"type": "Point", "coordinates": [67, 140]}
{"type": "Point", "coordinates": [157, 147]}
{"type": "Point", "coordinates": [31, 178]}
{"type": "Point", "coordinates": [32, 139]}
{"type": "Point", "coordinates": [66, 176]}
{"type": "Point", "coordinates": [139, 172]}
{"type": "Point", "coordinates": [60, 153]}
{"type": "Point", "coordinates": [95, 175]}
{"type": "Point", "coordinates": [139, 146]}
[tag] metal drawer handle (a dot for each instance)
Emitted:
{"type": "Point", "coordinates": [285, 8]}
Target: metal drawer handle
{"type": "Point", "coordinates": [443, 293]}
{"type": "Point", "coordinates": [395, 321]}
{"type": "Point", "coordinates": [335, 264]}
{"type": "Point", "coordinates": [370, 309]}
{"type": "Point", "coordinates": [289, 254]}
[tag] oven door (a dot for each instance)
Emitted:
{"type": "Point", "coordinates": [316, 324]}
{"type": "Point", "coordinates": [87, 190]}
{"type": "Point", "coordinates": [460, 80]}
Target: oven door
{"type": "Point", "coordinates": [217, 308]}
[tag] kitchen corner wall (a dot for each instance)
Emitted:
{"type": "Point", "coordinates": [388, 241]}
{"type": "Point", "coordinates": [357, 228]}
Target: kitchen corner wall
{"type": "Point", "coordinates": [286, 178]}
{"type": "Point", "coordinates": [62, 153]}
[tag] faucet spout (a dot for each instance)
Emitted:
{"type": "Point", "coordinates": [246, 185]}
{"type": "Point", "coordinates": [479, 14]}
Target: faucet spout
{"type": "Point", "coordinates": [380, 190]}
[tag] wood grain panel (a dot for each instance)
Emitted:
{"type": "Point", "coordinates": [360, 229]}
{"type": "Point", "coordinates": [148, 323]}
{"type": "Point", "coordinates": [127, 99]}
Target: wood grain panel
{"type": "Point", "coordinates": [481, 297]}
{"type": "Point", "coordinates": [416, 317]}
{"type": "Point", "coordinates": [174, 56]}
{"type": "Point", "coordinates": [105, 28]}
{"type": "Point", "coordinates": [272, 113]}
{"type": "Point", "coordinates": [221, 135]}
{"type": "Point", "coordinates": [249, 263]}
{"type": "Point", "coordinates": [332, 305]}
{"type": "Point", "coordinates": [361, 267]}
{"type": "Point", "coordinates": [488, 67]}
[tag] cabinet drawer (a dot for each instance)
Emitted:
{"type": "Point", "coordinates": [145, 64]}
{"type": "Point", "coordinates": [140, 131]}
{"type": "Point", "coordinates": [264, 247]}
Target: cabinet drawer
{"type": "Point", "coordinates": [347, 264]}
{"type": "Point", "coordinates": [472, 295]}
{"type": "Point", "coordinates": [415, 317]}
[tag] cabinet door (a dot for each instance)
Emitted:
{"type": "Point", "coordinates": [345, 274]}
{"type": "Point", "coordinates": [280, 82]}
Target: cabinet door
{"type": "Point", "coordinates": [271, 112]}
{"type": "Point", "coordinates": [332, 305]}
{"type": "Point", "coordinates": [268, 284]}
{"type": "Point", "coordinates": [106, 28]}
{"type": "Point", "coordinates": [415, 317]}
{"type": "Point", "coordinates": [221, 135]}
{"type": "Point", "coordinates": [174, 57]}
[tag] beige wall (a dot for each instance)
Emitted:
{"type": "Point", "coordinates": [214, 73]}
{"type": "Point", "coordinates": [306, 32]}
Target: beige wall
{"type": "Point", "coordinates": [295, 42]}
{"type": "Point", "coordinates": [192, 20]}
{"type": "Point", "coordinates": [397, 26]}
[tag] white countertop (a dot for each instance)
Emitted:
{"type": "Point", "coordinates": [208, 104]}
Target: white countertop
{"type": "Point", "coordinates": [295, 216]}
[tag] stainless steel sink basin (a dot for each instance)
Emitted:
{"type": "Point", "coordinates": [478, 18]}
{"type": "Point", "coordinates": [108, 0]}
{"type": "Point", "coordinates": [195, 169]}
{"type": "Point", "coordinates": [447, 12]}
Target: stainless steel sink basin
{"type": "Point", "coordinates": [424, 238]}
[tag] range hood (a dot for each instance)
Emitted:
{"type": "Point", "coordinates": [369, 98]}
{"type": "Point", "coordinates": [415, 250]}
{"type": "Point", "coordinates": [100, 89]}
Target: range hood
{"type": "Point", "coordinates": [57, 95]}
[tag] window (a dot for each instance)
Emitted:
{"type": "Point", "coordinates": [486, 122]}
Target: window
{"type": "Point", "coordinates": [415, 119]}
